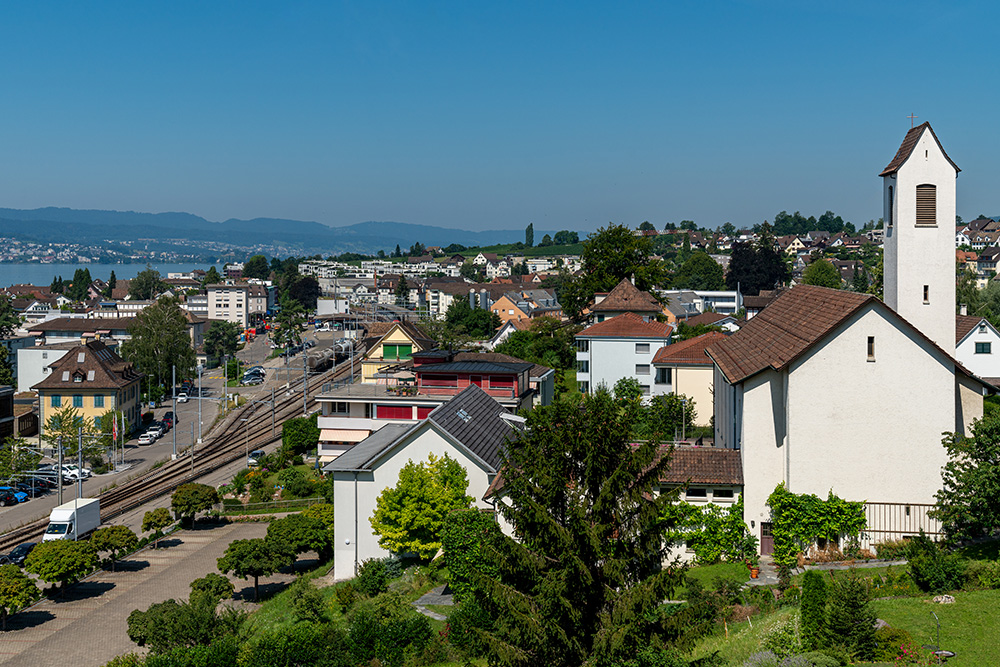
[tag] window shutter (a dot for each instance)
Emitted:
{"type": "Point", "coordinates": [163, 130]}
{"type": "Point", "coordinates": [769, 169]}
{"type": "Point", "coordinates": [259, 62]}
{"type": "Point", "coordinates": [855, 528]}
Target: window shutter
{"type": "Point", "coordinates": [926, 205]}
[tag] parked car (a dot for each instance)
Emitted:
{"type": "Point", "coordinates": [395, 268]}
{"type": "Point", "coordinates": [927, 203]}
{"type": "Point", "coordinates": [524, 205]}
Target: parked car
{"type": "Point", "coordinates": [156, 429]}
{"type": "Point", "coordinates": [73, 472]}
{"type": "Point", "coordinates": [147, 439]}
{"type": "Point", "coordinates": [182, 397]}
{"type": "Point", "coordinates": [168, 419]}
{"type": "Point", "coordinates": [7, 498]}
{"type": "Point", "coordinates": [255, 456]}
{"type": "Point", "coordinates": [20, 496]}
{"type": "Point", "coordinates": [41, 482]}
{"type": "Point", "coordinates": [19, 553]}
{"type": "Point", "coordinates": [33, 490]}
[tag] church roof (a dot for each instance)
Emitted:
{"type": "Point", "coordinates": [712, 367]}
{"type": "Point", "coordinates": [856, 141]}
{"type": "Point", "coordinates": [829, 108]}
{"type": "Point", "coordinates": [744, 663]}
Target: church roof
{"type": "Point", "coordinates": [909, 143]}
{"type": "Point", "coordinates": [626, 297]}
{"type": "Point", "coordinates": [796, 321]}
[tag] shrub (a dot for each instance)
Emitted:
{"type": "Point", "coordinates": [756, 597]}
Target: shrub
{"type": "Point", "coordinates": [299, 644]}
{"type": "Point", "coordinates": [372, 579]}
{"type": "Point", "coordinates": [820, 659]}
{"type": "Point", "coordinates": [346, 595]}
{"type": "Point", "coordinates": [463, 622]}
{"type": "Point", "coordinates": [890, 644]}
{"type": "Point", "coordinates": [813, 609]}
{"type": "Point", "coordinates": [893, 549]}
{"type": "Point", "coordinates": [387, 629]}
{"type": "Point", "coordinates": [464, 536]}
{"type": "Point", "coordinates": [762, 659]}
{"type": "Point", "coordinates": [933, 569]}
{"type": "Point", "coordinates": [851, 620]}
{"type": "Point", "coordinates": [982, 574]}
{"type": "Point", "coordinates": [307, 601]}
{"type": "Point", "coordinates": [784, 639]}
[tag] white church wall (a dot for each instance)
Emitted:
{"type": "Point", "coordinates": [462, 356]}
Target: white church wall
{"type": "Point", "coordinates": [870, 430]}
{"type": "Point", "coordinates": [969, 403]}
{"type": "Point", "coordinates": [763, 437]}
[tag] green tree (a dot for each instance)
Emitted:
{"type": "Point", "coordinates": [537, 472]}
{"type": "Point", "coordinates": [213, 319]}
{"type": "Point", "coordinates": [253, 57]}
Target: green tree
{"type": "Point", "coordinates": [402, 292]}
{"type": "Point", "coordinates": [289, 321]}
{"type": "Point", "coordinates": [409, 517]}
{"type": "Point", "coordinates": [17, 591]}
{"type": "Point", "coordinates": [57, 286]}
{"type": "Point", "coordinates": [252, 558]}
{"type": "Point", "coordinates": [757, 267]}
{"type": "Point", "coordinates": [61, 562]}
{"type": "Point", "coordinates": [112, 284]}
{"type": "Point", "coordinates": [16, 457]}
{"type": "Point", "coordinates": [729, 229]}
{"type": "Point", "coordinates": [529, 234]}
{"type": "Point", "coordinates": [146, 285]}
{"type": "Point", "coordinates": [171, 624]}
{"type": "Point", "coordinates": [699, 272]}
{"type": "Point", "coordinates": [211, 588]}
{"type": "Point", "coordinates": [77, 291]}
{"type": "Point", "coordinates": [160, 341]}
{"type": "Point", "coordinates": [105, 429]}
{"type": "Point", "coordinates": [9, 321]}
{"type": "Point", "coordinates": [296, 534]}
{"type": "Point", "coordinates": [823, 273]}
{"type": "Point", "coordinates": [222, 339]}
{"type": "Point", "coordinates": [189, 499]}
{"type": "Point", "coordinates": [303, 289]}
{"type": "Point", "coordinates": [115, 540]}
{"type": "Point", "coordinates": [813, 609]}
{"type": "Point", "coordinates": [212, 276]}
{"type": "Point", "coordinates": [545, 242]}
{"type": "Point", "coordinates": [548, 342]}
{"type": "Point", "coordinates": [64, 426]}
{"type": "Point", "coordinates": [156, 520]}
{"type": "Point", "coordinates": [322, 511]}
{"type": "Point", "coordinates": [968, 504]}
{"type": "Point", "coordinates": [614, 253]}
{"type": "Point", "coordinates": [578, 584]}
{"type": "Point", "coordinates": [851, 619]}
{"type": "Point", "coordinates": [257, 267]}
{"type": "Point", "coordinates": [859, 281]}
{"type": "Point", "coordinates": [299, 435]}
{"type": "Point", "coordinates": [307, 601]}
{"type": "Point", "coordinates": [647, 227]}
{"type": "Point", "coordinates": [967, 292]}
{"type": "Point", "coordinates": [477, 323]}
{"type": "Point", "coordinates": [463, 537]}
{"type": "Point", "coordinates": [685, 331]}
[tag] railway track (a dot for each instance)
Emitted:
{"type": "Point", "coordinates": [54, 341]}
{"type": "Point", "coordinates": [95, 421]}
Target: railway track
{"type": "Point", "coordinates": [230, 443]}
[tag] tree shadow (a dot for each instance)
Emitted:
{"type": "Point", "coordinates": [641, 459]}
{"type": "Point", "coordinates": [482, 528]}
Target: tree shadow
{"type": "Point", "coordinates": [167, 542]}
{"type": "Point", "coordinates": [28, 619]}
{"type": "Point", "coordinates": [267, 591]}
{"type": "Point", "coordinates": [129, 566]}
{"type": "Point", "coordinates": [82, 591]}
{"type": "Point", "coordinates": [302, 565]}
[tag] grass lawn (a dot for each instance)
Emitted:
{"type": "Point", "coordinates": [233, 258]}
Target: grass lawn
{"type": "Point", "coordinates": [277, 610]}
{"type": "Point", "coordinates": [744, 638]}
{"type": "Point", "coordinates": [707, 574]}
{"type": "Point", "coordinates": [985, 551]}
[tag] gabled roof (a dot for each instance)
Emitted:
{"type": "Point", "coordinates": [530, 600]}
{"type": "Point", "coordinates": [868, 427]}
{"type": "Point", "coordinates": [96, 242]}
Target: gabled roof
{"type": "Point", "coordinates": [90, 366]}
{"type": "Point", "coordinates": [909, 143]}
{"type": "Point", "coordinates": [83, 324]}
{"type": "Point", "coordinates": [537, 370]}
{"type": "Point", "coordinates": [704, 465]}
{"type": "Point", "coordinates": [471, 420]}
{"type": "Point", "coordinates": [626, 297]}
{"type": "Point", "coordinates": [795, 322]}
{"type": "Point", "coordinates": [707, 319]}
{"type": "Point", "coordinates": [966, 324]}
{"type": "Point", "coordinates": [627, 325]}
{"type": "Point", "coordinates": [690, 351]}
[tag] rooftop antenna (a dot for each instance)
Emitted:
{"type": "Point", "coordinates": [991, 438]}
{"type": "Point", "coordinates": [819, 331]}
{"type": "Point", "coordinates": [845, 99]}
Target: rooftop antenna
{"type": "Point", "coordinates": [911, 117]}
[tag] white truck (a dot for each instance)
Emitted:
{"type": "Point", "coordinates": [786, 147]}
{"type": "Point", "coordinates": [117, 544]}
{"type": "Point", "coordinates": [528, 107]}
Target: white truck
{"type": "Point", "coordinates": [73, 520]}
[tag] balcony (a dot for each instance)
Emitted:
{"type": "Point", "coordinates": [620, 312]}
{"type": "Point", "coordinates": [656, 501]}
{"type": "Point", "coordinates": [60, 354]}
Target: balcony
{"type": "Point", "coordinates": [454, 391]}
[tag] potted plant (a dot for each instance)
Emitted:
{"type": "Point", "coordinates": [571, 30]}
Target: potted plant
{"type": "Point", "coordinates": [753, 562]}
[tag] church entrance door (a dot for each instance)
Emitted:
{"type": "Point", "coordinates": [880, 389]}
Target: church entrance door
{"type": "Point", "coordinates": [766, 538]}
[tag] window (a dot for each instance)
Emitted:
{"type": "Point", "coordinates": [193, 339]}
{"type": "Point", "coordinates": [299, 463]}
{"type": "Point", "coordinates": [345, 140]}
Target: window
{"type": "Point", "coordinates": [394, 412]}
{"type": "Point", "coordinates": [423, 411]}
{"type": "Point", "coordinates": [339, 408]}
{"type": "Point", "coordinates": [77, 400]}
{"type": "Point", "coordinates": [889, 212]}
{"type": "Point", "coordinates": [642, 348]}
{"type": "Point", "coordinates": [582, 366]}
{"type": "Point", "coordinates": [984, 348]}
{"type": "Point", "coordinates": [722, 493]}
{"type": "Point", "coordinates": [99, 401]}
{"type": "Point", "coordinates": [583, 387]}
{"type": "Point", "coordinates": [583, 346]}
{"type": "Point", "coordinates": [697, 493]}
{"type": "Point", "coordinates": [926, 204]}
{"type": "Point", "coordinates": [642, 369]}
{"type": "Point", "coordinates": [501, 382]}
{"type": "Point", "coordinates": [645, 389]}
{"type": "Point", "coordinates": [439, 381]}
{"type": "Point", "coordinates": [871, 348]}
{"type": "Point", "coordinates": [982, 327]}
{"type": "Point", "coordinates": [56, 401]}
{"type": "Point", "coordinates": [927, 294]}
{"type": "Point", "coordinates": [664, 375]}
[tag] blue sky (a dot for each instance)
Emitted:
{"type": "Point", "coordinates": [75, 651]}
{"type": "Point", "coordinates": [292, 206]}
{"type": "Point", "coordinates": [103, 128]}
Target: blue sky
{"type": "Point", "coordinates": [481, 115]}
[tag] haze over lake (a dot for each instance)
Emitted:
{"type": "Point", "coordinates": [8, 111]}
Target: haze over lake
{"type": "Point", "coordinates": [42, 274]}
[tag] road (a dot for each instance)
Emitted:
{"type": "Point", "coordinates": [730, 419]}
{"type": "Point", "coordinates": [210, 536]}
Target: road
{"type": "Point", "coordinates": [141, 459]}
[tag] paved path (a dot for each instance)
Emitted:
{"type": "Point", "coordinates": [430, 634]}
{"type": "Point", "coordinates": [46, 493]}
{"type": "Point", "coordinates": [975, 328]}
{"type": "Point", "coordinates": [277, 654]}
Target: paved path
{"type": "Point", "coordinates": [434, 596]}
{"type": "Point", "coordinates": [88, 627]}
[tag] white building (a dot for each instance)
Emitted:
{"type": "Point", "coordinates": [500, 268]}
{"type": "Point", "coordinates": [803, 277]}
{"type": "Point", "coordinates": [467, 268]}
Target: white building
{"type": "Point", "coordinates": [471, 428]}
{"type": "Point", "coordinates": [620, 347]}
{"type": "Point", "coordinates": [229, 302]}
{"type": "Point", "coordinates": [977, 346]}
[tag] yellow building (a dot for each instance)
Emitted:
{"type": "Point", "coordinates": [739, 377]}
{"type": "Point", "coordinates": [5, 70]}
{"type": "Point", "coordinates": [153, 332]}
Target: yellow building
{"type": "Point", "coordinates": [391, 345]}
{"type": "Point", "coordinates": [93, 379]}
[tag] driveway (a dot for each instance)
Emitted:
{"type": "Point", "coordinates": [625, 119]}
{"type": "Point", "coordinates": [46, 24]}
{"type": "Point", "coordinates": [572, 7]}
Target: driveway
{"type": "Point", "coordinates": [88, 626]}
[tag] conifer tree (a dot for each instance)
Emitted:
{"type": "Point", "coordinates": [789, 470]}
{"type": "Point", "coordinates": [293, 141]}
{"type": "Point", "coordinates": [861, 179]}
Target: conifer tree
{"type": "Point", "coordinates": [851, 621]}
{"type": "Point", "coordinates": [813, 610]}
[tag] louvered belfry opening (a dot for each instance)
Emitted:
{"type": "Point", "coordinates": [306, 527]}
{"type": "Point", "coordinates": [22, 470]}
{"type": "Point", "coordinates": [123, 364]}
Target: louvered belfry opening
{"type": "Point", "coordinates": [926, 204]}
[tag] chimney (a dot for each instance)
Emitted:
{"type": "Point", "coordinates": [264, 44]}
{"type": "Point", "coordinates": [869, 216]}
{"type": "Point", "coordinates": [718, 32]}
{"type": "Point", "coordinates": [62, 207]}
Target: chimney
{"type": "Point", "coordinates": [963, 309]}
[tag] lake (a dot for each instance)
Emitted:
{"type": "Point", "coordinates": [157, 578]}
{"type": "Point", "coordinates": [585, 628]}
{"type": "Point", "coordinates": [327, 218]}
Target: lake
{"type": "Point", "coordinates": [42, 274]}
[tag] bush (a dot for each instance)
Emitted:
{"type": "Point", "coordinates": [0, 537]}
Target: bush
{"type": "Point", "coordinates": [463, 622]}
{"type": "Point", "coordinates": [851, 619]}
{"type": "Point", "coordinates": [821, 659]}
{"type": "Point", "coordinates": [307, 601]}
{"type": "Point", "coordinates": [893, 549]}
{"type": "Point", "coordinates": [299, 644]}
{"type": "Point", "coordinates": [346, 595]}
{"type": "Point", "coordinates": [890, 643]}
{"type": "Point", "coordinates": [387, 629]}
{"type": "Point", "coordinates": [372, 579]}
{"type": "Point", "coordinates": [933, 569]}
{"type": "Point", "coordinates": [813, 609]}
{"type": "Point", "coordinates": [784, 639]}
{"type": "Point", "coordinates": [464, 536]}
{"type": "Point", "coordinates": [983, 574]}
{"type": "Point", "coordinates": [219, 652]}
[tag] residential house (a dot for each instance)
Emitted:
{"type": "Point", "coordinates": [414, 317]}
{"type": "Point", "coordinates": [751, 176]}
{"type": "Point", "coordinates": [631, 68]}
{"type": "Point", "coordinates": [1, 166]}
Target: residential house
{"type": "Point", "coordinates": [93, 379]}
{"type": "Point", "coordinates": [727, 323]}
{"type": "Point", "coordinates": [11, 346]}
{"type": "Point", "coordinates": [625, 298]}
{"type": "Point", "coordinates": [229, 302]}
{"type": "Point", "coordinates": [977, 347]}
{"type": "Point", "coordinates": [471, 428]}
{"type": "Point", "coordinates": [527, 305]}
{"type": "Point", "coordinates": [620, 347]}
{"type": "Point", "coordinates": [505, 330]}
{"type": "Point", "coordinates": [684, 368]}
{"type": "Point", "coordinates": [35, 362]}
{"type": "Point", "coordinates": [387, 344]}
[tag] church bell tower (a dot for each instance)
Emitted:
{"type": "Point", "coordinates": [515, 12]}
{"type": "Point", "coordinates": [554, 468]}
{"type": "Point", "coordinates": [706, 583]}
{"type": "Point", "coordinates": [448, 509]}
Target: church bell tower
{"type": "Point", "coordinates": [918, 191]}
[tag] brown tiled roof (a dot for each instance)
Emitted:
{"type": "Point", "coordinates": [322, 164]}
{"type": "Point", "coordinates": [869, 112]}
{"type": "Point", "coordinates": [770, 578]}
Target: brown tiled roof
{"type": "Point", "coordinates": [788, 327]}
{"type": "Point", "coordinates": [628, 325]}
{"type": "Point", "coordinates": [96, 365]}
{"type": "Point", "coordinates": [909, 143]}
{"type": "Point", "coordinates": [964, 324]}
{"type": "Point", "coordinates": [762, 300]}
{"type": "Point", "coordinates": [690, 351]}
{"type": "Point", "coordinates": [626, 297]}
{"type": "Point", "coordinates": [704, 465]}
{"type": "Point", "coordinates": [83, 324]}
{"type": "Point", "coordinates": [707, 319]}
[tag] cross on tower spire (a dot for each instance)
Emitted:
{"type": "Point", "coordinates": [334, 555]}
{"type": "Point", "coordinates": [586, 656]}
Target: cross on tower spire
{"type": "Point", "coordinates": [911, 117]}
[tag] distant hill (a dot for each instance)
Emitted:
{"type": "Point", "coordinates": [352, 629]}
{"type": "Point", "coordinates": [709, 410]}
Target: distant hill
{"type": "Point", "coordinates": [93, 226]}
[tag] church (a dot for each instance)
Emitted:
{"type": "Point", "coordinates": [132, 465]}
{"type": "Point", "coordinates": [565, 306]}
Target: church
{"type": "Point", "coordinates": [833, 390]}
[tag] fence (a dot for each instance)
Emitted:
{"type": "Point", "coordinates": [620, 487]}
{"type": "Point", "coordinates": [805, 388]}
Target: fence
{"type": "Point", "coordinates": [894, 521]}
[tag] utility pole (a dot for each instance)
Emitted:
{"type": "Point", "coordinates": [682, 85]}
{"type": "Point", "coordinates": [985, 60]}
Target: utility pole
{"type": "Point", "coordinates": [305, 383]}
{"type": "Point", "coordinates": [59, 473]}
{"type": "Point", "coordinates": [192, 446]}
{"type": "Point", "coordinates": [79, 464]}
{"type": "Point", "coordinates": [173, 394]}
{"type": "Point", "coordinates": [272, 412]}
{"type": "Point", "coordinates": [201, 370]}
